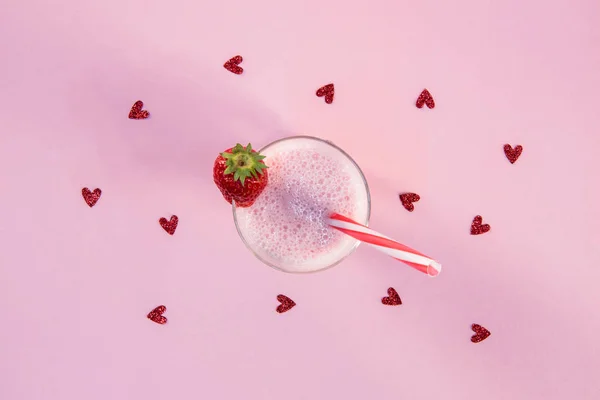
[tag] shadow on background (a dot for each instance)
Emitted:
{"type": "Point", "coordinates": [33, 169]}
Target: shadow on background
{"type": "Point", "coordinates": [194, 115]}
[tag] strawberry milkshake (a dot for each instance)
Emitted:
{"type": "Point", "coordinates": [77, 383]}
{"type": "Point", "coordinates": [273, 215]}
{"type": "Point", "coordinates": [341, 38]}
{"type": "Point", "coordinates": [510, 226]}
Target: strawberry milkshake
{"type": "Point", "coordinates": [308, 180]}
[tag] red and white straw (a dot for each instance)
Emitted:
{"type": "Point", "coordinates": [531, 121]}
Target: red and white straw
{"type": "Point", "coordinates": [385, 244]}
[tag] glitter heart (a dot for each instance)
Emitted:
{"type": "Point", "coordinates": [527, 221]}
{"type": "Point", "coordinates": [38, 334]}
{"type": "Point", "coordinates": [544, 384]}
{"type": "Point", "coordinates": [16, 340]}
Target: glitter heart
{"type": "Point", "coordinates": [407, 200]}
{"type": "Point", "coordinates": [477, 228]}
{"type": "Point", "coordinates": [425, 98]}
{"type": "Point", "coordinates": [480, 333]}
{"type": "Point", "coordinates": [512, 154]}
{"type": "Point", "coordinates": [91, 198]}
{"type": "Point", "coordinates": [286, 303]}
{"type": "Point", "coordinates": [137, 112]}
{"type": "Point", "coordinates": [232, 65]}
{"type": "Point", "coordinates": [156, 315]}
{"type": "Point", "coordinates": [392, 299]}
{"type": "Point", "coordinates": [169, 226]}
{"type": "Point", "coordinates": [328, 92]}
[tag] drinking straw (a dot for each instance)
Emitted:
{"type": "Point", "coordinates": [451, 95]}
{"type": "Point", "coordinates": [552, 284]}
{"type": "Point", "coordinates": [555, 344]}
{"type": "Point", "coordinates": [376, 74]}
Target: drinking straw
{"type": "Point", "coordinates": [392, 248]}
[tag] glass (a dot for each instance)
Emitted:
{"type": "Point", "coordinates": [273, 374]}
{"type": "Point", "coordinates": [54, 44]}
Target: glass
{"type": "Point", "coordinates": [356, 182]}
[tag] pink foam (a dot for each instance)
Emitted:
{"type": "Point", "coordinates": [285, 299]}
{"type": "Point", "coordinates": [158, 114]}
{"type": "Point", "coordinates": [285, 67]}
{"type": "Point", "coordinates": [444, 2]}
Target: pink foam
{"type": "Point", "coordinates": [305, 186]}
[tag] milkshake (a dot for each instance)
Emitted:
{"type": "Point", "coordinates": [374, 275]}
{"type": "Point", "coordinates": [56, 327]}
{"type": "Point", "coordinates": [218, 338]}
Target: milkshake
{"type": "Point", "coordinates": [309, 179]}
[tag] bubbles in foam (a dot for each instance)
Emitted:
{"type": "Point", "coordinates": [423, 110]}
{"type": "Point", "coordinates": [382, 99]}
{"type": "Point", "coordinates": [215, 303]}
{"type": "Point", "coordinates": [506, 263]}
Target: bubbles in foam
{"type": "Point", "coordinates": [306, 184]}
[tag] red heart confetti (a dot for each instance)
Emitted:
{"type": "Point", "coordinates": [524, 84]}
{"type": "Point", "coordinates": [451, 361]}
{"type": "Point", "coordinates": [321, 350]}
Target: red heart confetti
{"type": "Point", "coordinates": [425, 98]}
{"type": "Point", "coordinates": [393, 299]}
{"type": "Point", "coordinates": [480, 333]}
{"type": "Point", "coordinates": [91, 198]}
{"type": "Point", "coordinates": [137, 112]}
{"type": "Point", "coordinates": [328, 92]}
{"type": "Point", "coordinates": [232, 65]}
{"type": "Point", "coordinates": [477, 228]}
{"type": "Point", "coordinates": [286, 303]}
{"type": "Point", "coordinates": [407, 200]}
{"type": "Point", "coordinates": [512, 154]}
{"type": "Point", "coordinates": [169, 226]}
{"type": "Point", "coordinates": [156, 315]}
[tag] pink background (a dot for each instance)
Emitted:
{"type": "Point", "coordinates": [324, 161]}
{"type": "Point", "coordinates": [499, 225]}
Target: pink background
{"type": "Point", "coordinates": [76, 283]}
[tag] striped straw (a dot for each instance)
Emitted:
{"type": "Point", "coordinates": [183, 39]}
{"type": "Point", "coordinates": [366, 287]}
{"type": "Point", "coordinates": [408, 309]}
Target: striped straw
{"type": "Point", "coordinates": [385, 244]}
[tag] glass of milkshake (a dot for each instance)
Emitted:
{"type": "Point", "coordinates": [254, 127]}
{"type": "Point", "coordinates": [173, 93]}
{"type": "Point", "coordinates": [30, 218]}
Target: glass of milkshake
{"type": "Point", "coordinates": [309, 179]}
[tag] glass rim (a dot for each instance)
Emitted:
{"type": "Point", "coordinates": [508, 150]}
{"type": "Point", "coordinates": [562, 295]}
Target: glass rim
{"type": "Point", "coordinates": [366, 223]}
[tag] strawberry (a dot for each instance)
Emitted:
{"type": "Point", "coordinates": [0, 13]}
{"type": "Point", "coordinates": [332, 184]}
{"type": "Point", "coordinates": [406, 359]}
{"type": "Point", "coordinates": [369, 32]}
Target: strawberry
{"type": "Point", "coordinates": [240, 174]}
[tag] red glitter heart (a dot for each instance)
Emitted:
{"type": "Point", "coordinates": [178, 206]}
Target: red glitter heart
{"type": "Point", "coordinates": [477, 228]}
{"type": "Point", "coordinates": [137, 112]}
{"type": "Point", "coordinates": [91, 198]}
{"type": "Point", "coordinates": [425, 98]}
{"type": "Point", "coordinates": [512, 154]}
{"type": "Point", "coordinates": [407, 200]}
{"type": "Point", "coordinates": [393, 299]}
{"type": "Point", "coordinates": [169, 226]}
{"type": "Point", "coordinates": [232, 65]}
{"type": "Point", "coordinates": [156, 315]}
{"type": "Point", "coordinates": [328, 92]}
{"type": "Point", "coordinates": [286, 303]}
{"type": "Point", "coordinates": [480, 333]}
